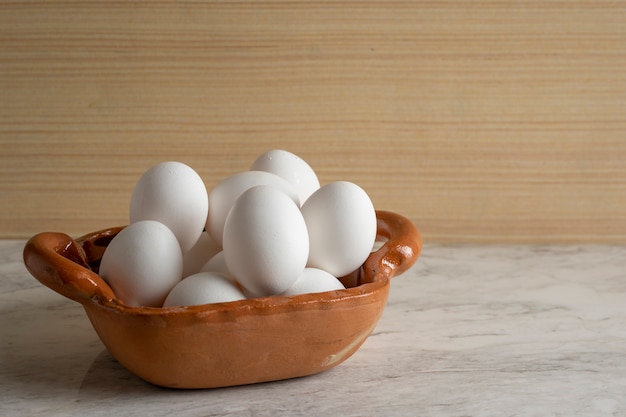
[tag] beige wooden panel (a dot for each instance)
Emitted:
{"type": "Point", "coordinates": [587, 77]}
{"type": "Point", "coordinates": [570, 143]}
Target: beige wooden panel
{"type": "Point", "coordinates": [489, 121]}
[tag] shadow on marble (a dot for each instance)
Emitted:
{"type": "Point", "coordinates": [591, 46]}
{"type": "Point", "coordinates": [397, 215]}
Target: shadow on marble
{"type": "Point", "coordinates": [107, 377]}
{"type": "Point", "coordinates": [47, 346]}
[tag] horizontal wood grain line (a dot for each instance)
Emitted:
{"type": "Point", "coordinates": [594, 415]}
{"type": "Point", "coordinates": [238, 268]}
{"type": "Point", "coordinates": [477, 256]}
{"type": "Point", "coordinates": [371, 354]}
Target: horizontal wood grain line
{"type": "Point", "coordinates": [326, 4]}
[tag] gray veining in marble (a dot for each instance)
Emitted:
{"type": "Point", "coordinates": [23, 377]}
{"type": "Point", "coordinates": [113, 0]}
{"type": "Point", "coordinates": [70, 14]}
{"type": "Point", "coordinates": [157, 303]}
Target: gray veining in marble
{"type": "Point", "coordinates": [469, 331]}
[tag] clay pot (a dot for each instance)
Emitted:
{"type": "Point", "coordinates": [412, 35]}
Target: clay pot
{"type": "Point", "coordinates": [224, 344]}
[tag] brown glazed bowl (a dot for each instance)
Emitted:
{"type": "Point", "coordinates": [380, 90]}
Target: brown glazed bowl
{"type": "Point", "coordinates": [234, 343]}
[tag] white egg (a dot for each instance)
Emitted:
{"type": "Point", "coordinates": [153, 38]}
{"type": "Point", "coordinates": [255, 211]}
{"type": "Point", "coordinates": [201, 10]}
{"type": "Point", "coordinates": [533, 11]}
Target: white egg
{"type": "Point", "coordinates": [341, 223]}
{"type": "Point", "coordinates": [216, 264]}
{"type": "Point", "coordinates": [203, 288]}
{"type": "Point", "coordinates": [223, 196]}
{"type": "Point", "coordinates": [314, 280]}
{"type": "Point", "coordinates": [142, 263]}
{"type": "Point", "coordinates": [266, 244]}
{"type": "Point", "coordinates": [290, 167]}
{"type": "Point", "coordinates": [195, 258]}
{"type": "Point", "coordinates": [172, 193]}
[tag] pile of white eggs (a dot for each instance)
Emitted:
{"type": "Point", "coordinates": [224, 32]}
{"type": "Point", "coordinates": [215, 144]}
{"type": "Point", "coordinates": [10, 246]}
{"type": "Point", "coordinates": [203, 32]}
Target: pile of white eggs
{"type": "Point", "coordinates": [267, 231]}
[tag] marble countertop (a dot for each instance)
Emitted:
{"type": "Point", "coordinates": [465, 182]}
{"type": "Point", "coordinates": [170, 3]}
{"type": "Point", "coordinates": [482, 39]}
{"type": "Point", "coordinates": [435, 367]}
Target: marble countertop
{"type": "Point", "coordinates": [468, 331]}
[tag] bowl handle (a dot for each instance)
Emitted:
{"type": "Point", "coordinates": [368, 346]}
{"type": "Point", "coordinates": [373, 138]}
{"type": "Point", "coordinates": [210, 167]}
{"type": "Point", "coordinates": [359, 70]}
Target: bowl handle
{"type": "Point", "coordinates": [401, 249]}
{"type": "Point", "coordinates": [59, 262]}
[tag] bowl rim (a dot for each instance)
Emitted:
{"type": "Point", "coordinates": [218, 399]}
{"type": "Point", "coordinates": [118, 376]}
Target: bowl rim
{"type": "Point", "coordinates": [62, 264]}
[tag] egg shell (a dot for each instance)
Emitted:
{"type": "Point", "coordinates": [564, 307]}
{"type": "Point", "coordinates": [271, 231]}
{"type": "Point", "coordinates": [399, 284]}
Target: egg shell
{"type": "Point", "coordinates": [174, 194]}
{"type": "Point", "coordinates": [290, 167]}
{"type": "Point", "coordinates": [216, 264]}
{"type": "Point", "coordinates": [196, 257]}
{"type": "Point", "coordinates": [142, 263]}
{"type": "Point", "coordinates": [266, 244]}
{"type": "Point", "coordinates": [341, 222]}
{"type": "Point", "coordinates": [225, 193]}
{"type": "Point", "coordinates": [203, 288]}
{"type": "Point", "coordinates": [313, 280]}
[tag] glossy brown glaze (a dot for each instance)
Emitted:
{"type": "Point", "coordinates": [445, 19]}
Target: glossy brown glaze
{"type": "Point", "coordinates": [224, 344]}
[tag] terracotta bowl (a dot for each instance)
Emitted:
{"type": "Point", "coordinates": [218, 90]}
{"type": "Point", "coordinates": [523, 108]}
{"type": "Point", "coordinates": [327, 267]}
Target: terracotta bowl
{"type": "Point", "coordinates": [234, 343]}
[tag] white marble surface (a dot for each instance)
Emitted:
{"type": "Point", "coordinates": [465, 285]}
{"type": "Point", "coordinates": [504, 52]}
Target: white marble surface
{"type": "Point", "coordinates": [469, 331]}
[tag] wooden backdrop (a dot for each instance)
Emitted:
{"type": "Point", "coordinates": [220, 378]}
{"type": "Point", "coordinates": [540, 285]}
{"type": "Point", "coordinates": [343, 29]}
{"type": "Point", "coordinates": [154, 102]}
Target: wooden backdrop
{"type": "Point", "coordinates": [483, 121]}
